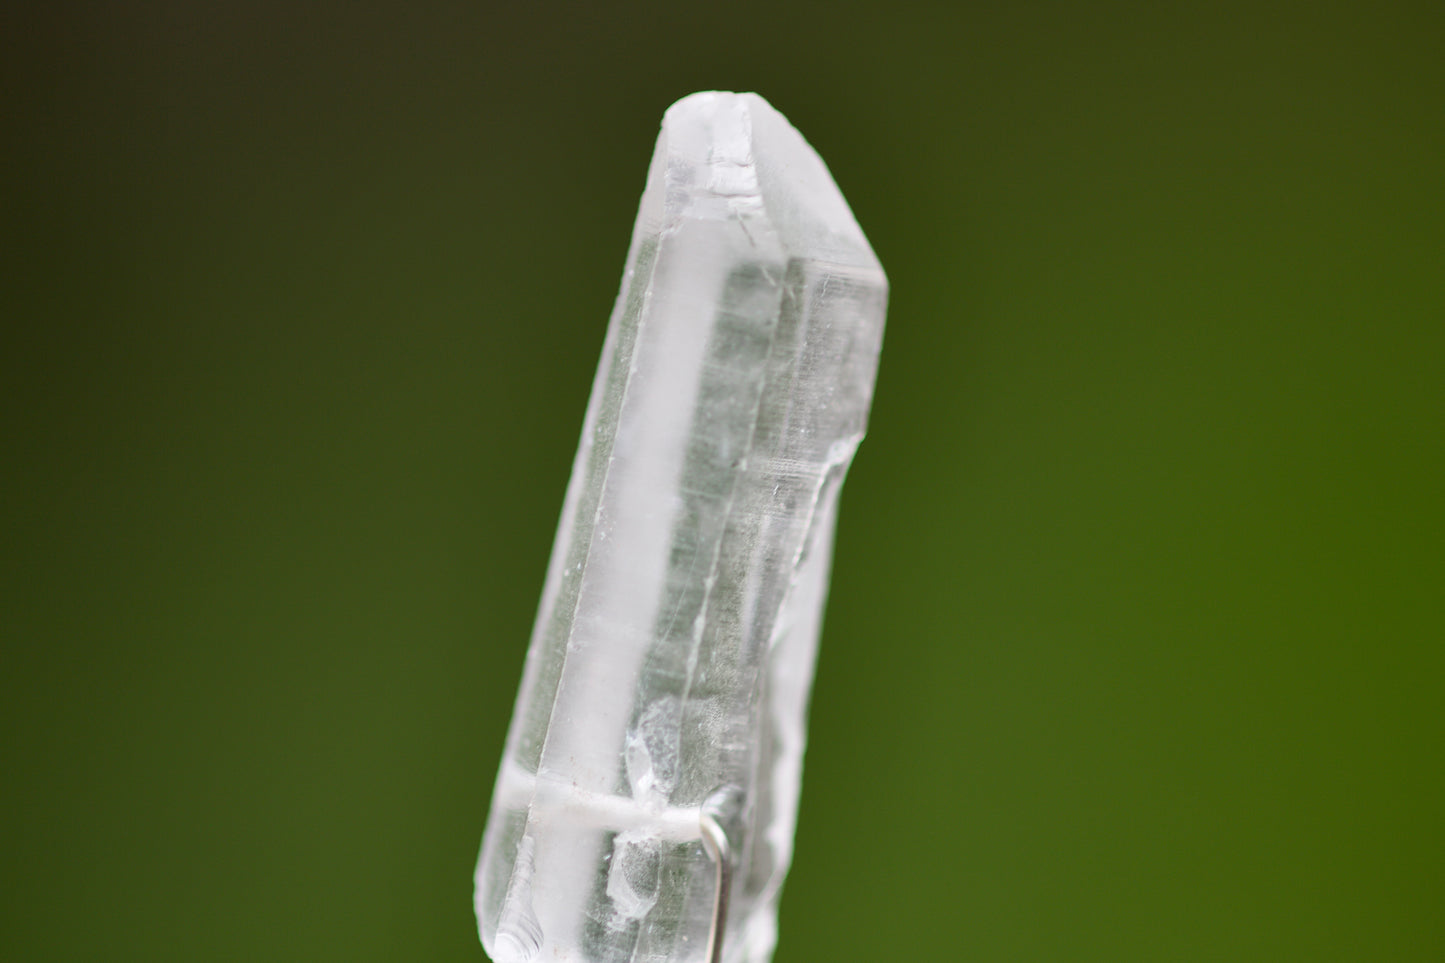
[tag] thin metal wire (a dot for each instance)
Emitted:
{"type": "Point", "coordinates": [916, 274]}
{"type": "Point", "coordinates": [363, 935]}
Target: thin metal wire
{"type": "Point", "coordinates": [715, 841]}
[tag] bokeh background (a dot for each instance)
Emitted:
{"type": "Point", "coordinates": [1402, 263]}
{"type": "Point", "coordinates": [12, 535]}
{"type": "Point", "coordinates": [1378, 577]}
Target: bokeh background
{"type": "Point", "coordinates": [1135, 644]}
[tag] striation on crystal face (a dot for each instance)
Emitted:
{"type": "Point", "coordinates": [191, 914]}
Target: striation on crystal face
{"type": "Point", "coordinates": [673, 653]}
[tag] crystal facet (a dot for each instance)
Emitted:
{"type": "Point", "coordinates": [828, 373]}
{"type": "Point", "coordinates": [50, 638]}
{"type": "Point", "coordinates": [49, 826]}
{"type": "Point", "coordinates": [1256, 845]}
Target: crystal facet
{"type": "Point", "coordinates": [673, 653]}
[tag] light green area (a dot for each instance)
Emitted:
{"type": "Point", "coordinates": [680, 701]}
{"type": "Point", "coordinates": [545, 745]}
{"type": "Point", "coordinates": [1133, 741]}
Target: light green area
{"type": "Point", "coordinates": [1135, 649]}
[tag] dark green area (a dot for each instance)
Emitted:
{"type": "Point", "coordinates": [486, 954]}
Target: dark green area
{"type": "Point", "coordinates": [1135, 647]}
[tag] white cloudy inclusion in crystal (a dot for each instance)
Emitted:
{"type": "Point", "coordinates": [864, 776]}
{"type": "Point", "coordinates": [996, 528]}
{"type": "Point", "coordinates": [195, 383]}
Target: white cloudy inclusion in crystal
{"type": "Point", "coordinates": [674, 648]}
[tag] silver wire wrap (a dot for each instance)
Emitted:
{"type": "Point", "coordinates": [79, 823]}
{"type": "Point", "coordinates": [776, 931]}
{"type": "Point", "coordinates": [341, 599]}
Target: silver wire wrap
{"type": "Point", "coordinates": [715, 841]}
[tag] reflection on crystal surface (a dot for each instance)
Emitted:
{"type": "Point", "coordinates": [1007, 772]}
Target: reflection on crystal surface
{"type": "Point", "coordinates": [674, 648]}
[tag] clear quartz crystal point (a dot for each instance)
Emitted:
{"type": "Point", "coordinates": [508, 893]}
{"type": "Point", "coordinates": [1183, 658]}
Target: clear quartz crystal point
{"type": "Point", "coordinates": [673, 653]}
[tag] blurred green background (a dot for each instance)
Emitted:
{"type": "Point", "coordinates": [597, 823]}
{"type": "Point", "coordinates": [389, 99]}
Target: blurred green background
{"type": "Point", "coordinates": [1135, 644]}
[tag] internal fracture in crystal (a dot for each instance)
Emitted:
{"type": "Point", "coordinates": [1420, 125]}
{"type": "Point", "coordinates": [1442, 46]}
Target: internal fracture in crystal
{"type": "Point", "coordinates": [673, 652]}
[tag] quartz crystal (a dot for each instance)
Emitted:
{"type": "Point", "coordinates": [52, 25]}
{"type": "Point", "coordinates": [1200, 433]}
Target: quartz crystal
{"type": "Point", "coordinates": [673, 654]}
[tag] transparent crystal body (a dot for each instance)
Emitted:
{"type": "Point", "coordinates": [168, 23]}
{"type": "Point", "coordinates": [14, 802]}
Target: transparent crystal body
{"type": "Point", "coordinates": [673, 652]}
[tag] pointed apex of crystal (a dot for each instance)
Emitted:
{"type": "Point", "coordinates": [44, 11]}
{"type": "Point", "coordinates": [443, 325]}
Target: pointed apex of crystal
{"type": "Point", "coordinates": [673, 653]}
{"type": "Point", "coordinates": [737, 154]}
